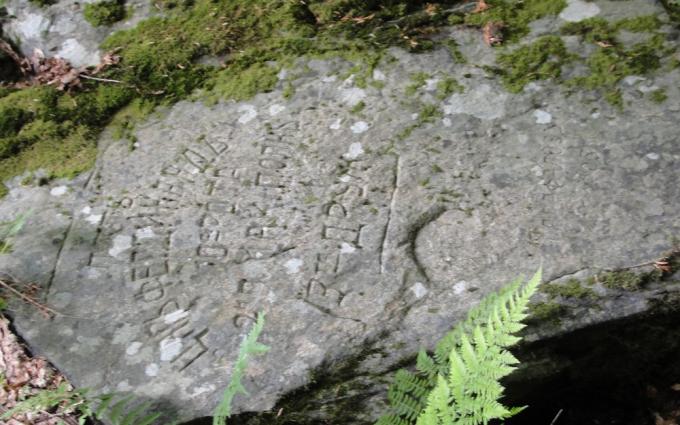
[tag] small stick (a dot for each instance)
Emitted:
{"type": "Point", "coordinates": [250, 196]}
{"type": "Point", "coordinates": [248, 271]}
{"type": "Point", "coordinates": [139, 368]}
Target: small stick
{"type": "Point", "coordinates": [103, 80]}
{"type": "Point", "coordinates": [557, 416]}
{"type": "Point", "coordinates": [43, 308]}
{"type": "Point", "coordinates": [7, 48]}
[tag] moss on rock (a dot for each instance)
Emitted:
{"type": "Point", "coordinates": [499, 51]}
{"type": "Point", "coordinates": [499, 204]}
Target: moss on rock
{"type": "Point", "coordinates": [540, 60]}
{"type": "Point", "coordinates": [104, 13]}
{"type": "Point", "coordinates": [515, 16]}
{"type": "Point", "coordinates": [570, 289]}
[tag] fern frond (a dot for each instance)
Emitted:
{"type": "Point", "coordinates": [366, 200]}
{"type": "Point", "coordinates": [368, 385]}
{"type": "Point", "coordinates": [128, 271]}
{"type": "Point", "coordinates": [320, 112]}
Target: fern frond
{"type": "Point", "coordinates": [464, 372]}
{"type": "Point", "coordinates": [248, 347]}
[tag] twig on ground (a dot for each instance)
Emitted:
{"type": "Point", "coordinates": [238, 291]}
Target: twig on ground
{"type": "Point", "coordinates": [557, 416]}
{"type": "Point", "coordinates": [103, 80]}
{"type": "Point", "coordinates": [45, 310]}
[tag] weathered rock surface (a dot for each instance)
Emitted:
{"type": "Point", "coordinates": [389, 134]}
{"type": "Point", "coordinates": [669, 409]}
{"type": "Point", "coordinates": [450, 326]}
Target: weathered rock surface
{"type": "Point", "coordinates": [346, 230]}
{"type": "Point", "coordinates": [61, 29]}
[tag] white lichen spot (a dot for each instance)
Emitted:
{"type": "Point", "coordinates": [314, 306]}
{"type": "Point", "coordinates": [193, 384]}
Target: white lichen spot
{"type": "Point", "coordinates": [210, 389]}
{"type": "Point", "coordinates": [282, 74]}
{"type": "Point", "coordinates": [359, 127]}
{"type": "Point", "coordinates": [378, 75]}
{"type": "Point", "coordinates": [271, 297]}
{"type": "Point", "coordinates": [532, 87]}
{"type": "Point", "coordinates": [460, 287]}
{"type": "Point", "coordinates": [293, 265]}
{"type": "Point", "coordinates": [170, 348]}
{"type": "Point", "coordinates": [144, 233]}
{"type": "Point", "coordinates": [121, 243]}
{"type": "Point", "coordinates": [415, 116]}
{"type": "Point", "coordinates": [446, 122]}
{"type": "Point", "coordinates": [335, 125]}
{"type": "Point", "coordinates": [352, 96]}
{"type": "Point", "coordinates": [578, 10]}
{"type": "Point", "coordinates": [542, 117]}
{"type": "Point", "coordinates": [347, 248]}
{"type": "Point", "coordinates": [175, 316]}
{"type": "Point", "coordinates": [653, 156]}
{"type": "Point", "coordinates": [248, 113]}
{"type": "Point", "coordinates": [151, 369]}
{"type": "Point", "coordinates": [275, 109]}
{"type": "Point", "coordinates": [345, 178]}
{"type": "Point", "coordinates": [94, 218]}
{"type": "Point", "coordinates": [595, 115]}
{"type": "Point", "coordinates": [355, 149]}
{"type": "Point", "coordinates": [59, 191]}
{"type": "Point", "coordinates": [329, 79]}
{"type": "Point", "coordinates": [123, 386]}
{"type": "Point", "coordinates": [419, 290]}
{"type": "Point", "coordinates": [85, 211]}
{"type": "Point", "coordinates": [647, 88]}
{"type": "Point", "coordinates": [631, 80]}
{"type": "Point", "coordinates": [133, 348]}
{"type": "Point", "coordinates": [431, 84]}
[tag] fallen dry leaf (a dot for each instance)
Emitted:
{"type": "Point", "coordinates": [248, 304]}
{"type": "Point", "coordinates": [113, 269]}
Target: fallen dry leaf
{"type": "Point", "coordinates": [493, 33]}
{"type": "Point", "coordinates": [604, 44]}
{"type": "Point", "coordinates": [26, 376]}
{"type": "Point", "coordinates": [481, 6]}
{"type": "Point", "coordinates": [431, 9]}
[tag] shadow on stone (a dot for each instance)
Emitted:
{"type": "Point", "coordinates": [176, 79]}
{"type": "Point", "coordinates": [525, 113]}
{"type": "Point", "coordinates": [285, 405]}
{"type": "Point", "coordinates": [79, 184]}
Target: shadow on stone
{"type": "Point", "coordinates": [616, 373]}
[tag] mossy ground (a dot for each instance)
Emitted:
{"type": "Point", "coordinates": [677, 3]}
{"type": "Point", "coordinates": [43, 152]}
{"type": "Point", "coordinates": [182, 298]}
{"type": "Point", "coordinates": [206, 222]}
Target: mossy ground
{"type": "Point", "coordinates": [105, 12]}
{"type": "Point", "coordinates": [570, 289]}
{"type": "Point", "coordinates": [546, 312]}
{"type": "Point", "coordinates": [44, 128]}
{"type": "Point", "coordinates": [607, 65]}
{"type": "Point", "coordinates": [257, 38]}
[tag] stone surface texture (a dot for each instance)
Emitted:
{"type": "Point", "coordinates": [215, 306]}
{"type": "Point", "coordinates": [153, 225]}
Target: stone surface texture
{"type": "Point", "coordinates": [347, 235]}
{"type": "Point", "coordinates": [61, 30]}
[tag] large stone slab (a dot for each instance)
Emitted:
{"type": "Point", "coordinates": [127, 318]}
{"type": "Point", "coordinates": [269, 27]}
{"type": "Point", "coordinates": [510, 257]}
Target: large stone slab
{"type": "Point", "coordinates": [346, 230]}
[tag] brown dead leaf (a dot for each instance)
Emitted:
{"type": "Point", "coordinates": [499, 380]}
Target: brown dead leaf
{"type": "Point", "coordinates": [25, 377]}
{"type": "Point", "coordinates": [481, 7]}
{"type": "Point", "coordinates": [604, 44]}
{"type": "Point", "coordinates": [357, 19]}
{"type": "Point", "coordinates": [493, 33]}
{"type": "Point", "coordinates": [664, 266]}
{"type": "Point", "coordinates": [658, 420]}
{"type": "Point", "coordinates": [431, 9]}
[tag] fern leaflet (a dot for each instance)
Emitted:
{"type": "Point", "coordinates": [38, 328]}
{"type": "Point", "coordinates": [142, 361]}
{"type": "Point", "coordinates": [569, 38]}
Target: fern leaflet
{"type": "Point", "coordinates": [248, 347]}
{"type": "Point", "coordinates": [459, 384]}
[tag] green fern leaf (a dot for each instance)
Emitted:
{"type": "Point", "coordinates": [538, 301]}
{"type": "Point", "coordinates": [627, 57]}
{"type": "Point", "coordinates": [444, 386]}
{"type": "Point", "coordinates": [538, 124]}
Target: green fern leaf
{"type": "Point", "coordinates": [464, 371]}
{"type": "Point", "coordinates": [248, 347]}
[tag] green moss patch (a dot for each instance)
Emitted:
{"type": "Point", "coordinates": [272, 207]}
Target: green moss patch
{"type": "Point", "coordinates": [540, 60]}
{"type": "Point", "coordinates": [447, 87]}
{"type": "Point", "coordinates": [417, 81]}
{"type": "Point", "coordinates": [570, 289]}
{"type": "Point", "coordinates": [43, 3]}
{"type": "Point", "coordinates": [104, 13]}
{"type": "Point", "coordinates": [612, 61]}
{"type": "Point", "coordinates": [515, 16]}
{"type": "Point", "coordinates": [658, 96]}
{"type": "Point", "coordinates": [546, 312]}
